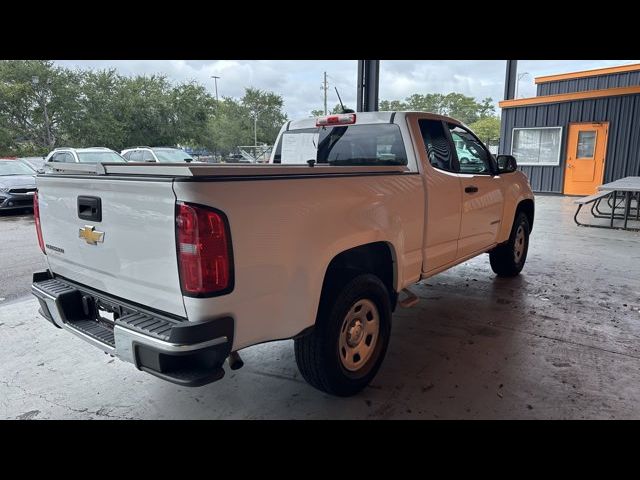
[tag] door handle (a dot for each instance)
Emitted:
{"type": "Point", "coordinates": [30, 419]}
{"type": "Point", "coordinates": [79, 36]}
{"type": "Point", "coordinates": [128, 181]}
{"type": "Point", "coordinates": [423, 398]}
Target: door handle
{"type": "Point", "coordinates": [90, 208]}
{"type": "Point", "coordinates": [471, 189]}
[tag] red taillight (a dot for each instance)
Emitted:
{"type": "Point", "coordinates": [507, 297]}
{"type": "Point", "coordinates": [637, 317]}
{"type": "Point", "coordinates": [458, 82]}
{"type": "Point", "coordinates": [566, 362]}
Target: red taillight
{"type": "Point", "coordinates": [36, 216]}
{"type": "Point", "coordinates": [342, 119]}
{"type": "Point", "coordinates": [204, 253]}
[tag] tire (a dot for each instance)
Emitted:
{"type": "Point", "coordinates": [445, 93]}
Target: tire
{"type": "Point", "coordinates": [344, 351]}
{"type": "Point", "coordinates": [508, 259]}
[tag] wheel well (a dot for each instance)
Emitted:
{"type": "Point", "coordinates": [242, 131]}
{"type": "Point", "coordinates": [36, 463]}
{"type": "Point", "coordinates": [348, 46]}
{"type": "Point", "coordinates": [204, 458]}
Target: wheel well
{"type": "Point", "coordinates": [526, 206]}
{"type": "Point", "coordinates": [376, 258]}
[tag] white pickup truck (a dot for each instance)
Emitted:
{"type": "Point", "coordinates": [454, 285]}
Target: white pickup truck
{"type": "Point", "coordinates": [176, 267]}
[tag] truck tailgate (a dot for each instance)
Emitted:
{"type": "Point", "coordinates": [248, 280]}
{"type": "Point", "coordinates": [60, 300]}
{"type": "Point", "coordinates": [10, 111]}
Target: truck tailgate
{"type": "Point", "coordinates": [136, 259]}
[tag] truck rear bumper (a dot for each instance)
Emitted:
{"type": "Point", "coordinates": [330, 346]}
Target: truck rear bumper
{"type": "Point", "coordinates": [182, 352]}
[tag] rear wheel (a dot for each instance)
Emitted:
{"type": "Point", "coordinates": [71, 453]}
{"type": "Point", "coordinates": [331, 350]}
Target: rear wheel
{"type": "Point", "coordinates": [507, 260]}
{"type": "Point", "coordinates": [347, 346]}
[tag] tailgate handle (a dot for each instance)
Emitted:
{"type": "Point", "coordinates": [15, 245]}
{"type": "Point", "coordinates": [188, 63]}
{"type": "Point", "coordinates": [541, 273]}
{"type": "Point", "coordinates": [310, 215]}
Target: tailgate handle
{"type": "Point", "coordinates": [90, 208]}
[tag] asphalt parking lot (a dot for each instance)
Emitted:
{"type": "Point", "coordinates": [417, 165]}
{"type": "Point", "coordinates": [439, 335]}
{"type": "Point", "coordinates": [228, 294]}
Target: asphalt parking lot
{"type": "Point", "coordinates": [560, 341]}
{"type": "Point", "coordinates": [19, 254]}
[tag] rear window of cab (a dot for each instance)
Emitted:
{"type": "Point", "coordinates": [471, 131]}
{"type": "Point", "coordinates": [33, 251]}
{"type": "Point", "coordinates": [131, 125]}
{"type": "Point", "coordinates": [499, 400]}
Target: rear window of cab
{"type": "Point", "coordinates": [377, 144]}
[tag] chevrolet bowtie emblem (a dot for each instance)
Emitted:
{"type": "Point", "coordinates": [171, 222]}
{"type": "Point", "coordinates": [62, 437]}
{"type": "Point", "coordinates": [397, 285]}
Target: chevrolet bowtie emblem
{"type": "Point", "coordinates": [91, 235]}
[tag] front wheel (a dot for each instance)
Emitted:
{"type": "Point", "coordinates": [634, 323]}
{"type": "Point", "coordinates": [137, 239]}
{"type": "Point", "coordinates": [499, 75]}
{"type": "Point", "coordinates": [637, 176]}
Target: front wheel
{"type": "Point", "coordinates": [346, 348]}
{"type": "Point", "coordinates": [507, 260]}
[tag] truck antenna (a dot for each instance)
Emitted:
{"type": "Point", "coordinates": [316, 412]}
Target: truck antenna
{"type": "Point", "coordinates": [344, 110]}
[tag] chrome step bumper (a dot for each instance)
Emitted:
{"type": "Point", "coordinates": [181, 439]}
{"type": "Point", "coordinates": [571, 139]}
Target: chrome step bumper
{"type": "Point", "coordinates": [179, 351]}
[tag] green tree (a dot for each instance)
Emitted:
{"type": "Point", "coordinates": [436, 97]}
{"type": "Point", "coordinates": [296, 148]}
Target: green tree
{"type": "Point", "coordinates": [233, 120]}
{"type": "Point", "coordinates": [37, 103]}
{"type": "Point", "coordinates": [229, 127]}
{"type": "Point", "coordinates": [268, 108]}
{"type": "Point", "coordinates": [392, 106]}
{"type": "Point", "coordinates": [431, 102]}
{"type": "Point", "coordinates": [100, 120]}
{"type": "Point", "coordinates": [487, 128]}
{"type": "Point", "coordinates": [487, 108]}
{"type": "Point", "coordinates": [456, 105]}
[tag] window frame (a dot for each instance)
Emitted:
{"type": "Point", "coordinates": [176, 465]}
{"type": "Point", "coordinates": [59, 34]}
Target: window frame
{"type": "Point", "coordinates": [151, 153]}
{"type": "Point", "coordinates": [545, 164]}
{"type": "Point", "coordinates": [493, 166]}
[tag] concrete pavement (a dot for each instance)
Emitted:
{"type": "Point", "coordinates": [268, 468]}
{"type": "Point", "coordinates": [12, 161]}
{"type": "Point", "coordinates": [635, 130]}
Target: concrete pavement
{"type": "Point", "coordinates": [560, 341]}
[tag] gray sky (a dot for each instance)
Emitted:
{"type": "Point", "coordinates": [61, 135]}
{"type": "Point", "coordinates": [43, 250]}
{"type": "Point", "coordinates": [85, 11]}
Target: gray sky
{"type": "Point", "coordinates": [298, 81]}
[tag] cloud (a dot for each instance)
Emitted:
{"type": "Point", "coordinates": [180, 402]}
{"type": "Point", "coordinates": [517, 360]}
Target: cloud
{"type": "Point", "coordinates": [299, 81]}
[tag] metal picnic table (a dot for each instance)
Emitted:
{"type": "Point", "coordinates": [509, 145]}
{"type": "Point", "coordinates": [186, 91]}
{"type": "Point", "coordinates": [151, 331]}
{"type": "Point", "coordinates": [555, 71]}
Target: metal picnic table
{"type": "Point", "coordinates": [630, 188]}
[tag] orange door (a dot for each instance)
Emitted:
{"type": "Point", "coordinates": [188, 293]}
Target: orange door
{"type": "Point", "coordinates": [584, 167]}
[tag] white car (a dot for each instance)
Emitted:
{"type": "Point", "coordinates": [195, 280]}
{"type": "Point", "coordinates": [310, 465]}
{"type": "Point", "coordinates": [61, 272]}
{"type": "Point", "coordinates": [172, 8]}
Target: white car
{"type": "Point", "coordinates": [157, 155]}
{"type": "Point", "coordinates": [82, 155]}
{"type": "Point", "coordinates": [176, 268]}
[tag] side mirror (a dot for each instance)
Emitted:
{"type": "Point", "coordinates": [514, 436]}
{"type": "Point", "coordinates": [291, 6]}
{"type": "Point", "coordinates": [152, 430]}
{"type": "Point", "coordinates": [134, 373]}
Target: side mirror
{"type": "Point", "coordinates": [188, 160]}
{"type": "Point", "coordinates": [506, 163]}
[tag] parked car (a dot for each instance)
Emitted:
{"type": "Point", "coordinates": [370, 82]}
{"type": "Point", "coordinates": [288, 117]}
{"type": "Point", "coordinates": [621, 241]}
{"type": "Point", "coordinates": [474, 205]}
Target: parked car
{"type": "Point", "coordinates": [17, 185]}
{"type": "Point", "coordinates": [83, 155]}
{"type": "Point", "coordinates": [319, 246]}
{"type": "Point", "coordinates": [156, 154]}
{"type": "Point", "coordinates": [37, 163]}
{"type": "Point", "coordinates": [236, 158]}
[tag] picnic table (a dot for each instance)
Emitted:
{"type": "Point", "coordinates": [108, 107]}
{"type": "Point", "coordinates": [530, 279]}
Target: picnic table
{"type": "Point", "coordinates": [617, 193]}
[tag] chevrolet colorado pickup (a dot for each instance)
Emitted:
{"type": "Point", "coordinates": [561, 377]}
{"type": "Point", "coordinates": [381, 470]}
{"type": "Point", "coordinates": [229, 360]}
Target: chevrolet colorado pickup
{"type": "Point", "coordinates": [176, 267]}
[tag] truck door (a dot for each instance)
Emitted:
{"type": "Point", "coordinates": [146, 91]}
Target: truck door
{"type": "Point", "coordinates": [443, 196]}
{"type": "Point", "coordinates": [482, 198]}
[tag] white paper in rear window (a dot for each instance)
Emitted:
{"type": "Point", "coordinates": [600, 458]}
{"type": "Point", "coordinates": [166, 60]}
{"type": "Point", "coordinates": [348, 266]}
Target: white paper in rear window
{"type": "Point", "coordinates": [299, 147]}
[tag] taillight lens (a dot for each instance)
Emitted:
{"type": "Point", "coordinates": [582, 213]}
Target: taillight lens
{"type": "Point", "coordinates": [204, 250]}
{"type": "Point", "coordinates": [36, 216]}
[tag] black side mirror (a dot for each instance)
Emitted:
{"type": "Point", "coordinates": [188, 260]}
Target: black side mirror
{"type": "Point", "coordinates": [188, 160]}
{"type": "Point", "coordinates": [506, 163]}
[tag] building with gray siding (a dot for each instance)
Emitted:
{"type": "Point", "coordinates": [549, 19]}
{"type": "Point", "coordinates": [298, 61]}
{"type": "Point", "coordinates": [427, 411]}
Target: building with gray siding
{"type": "Point", "coordinates": [581, 129]}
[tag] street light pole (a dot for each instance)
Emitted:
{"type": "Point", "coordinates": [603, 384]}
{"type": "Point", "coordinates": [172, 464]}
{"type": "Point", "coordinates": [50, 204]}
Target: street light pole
{"type": "Point", "coordinates": [255, 129]}
{"type": "Point", "coordinates": [520, 77]}
{"type": "Point", "coordinates": [215, 80]}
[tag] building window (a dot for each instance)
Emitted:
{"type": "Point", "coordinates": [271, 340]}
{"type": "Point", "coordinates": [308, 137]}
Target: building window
{"type": "Point", "coordinates": [537, 146]}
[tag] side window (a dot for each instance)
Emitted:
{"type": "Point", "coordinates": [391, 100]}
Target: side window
{"type": "Point", "coordinates": [147, 156]}
{"type": "Point", "coordinates": [437, 145]}
{"type": "Point", "coordinates": [136, 156]}
{"type": "Point", "coordinates": [126, 156]}
{"type": "Point", "coordinates": [62, 157]}
{"type": "Point", "coordinates": [472, 155]}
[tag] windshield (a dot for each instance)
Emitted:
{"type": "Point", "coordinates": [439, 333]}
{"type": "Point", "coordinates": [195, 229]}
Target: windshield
{"type": "Point", "coordinates": [375, 144]}
{"type": "Point", "coordinates": [15, 168]}
{"type": "Point", "coordinates": [171, 155]}
{"type": "Point", "coordinates": [98, 157]}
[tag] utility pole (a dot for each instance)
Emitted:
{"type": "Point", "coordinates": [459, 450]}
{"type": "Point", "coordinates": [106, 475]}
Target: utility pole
{"type": "Point", "coordinates": [325, 87]}
{"type": "Point", "coordinates": [215, 79]}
